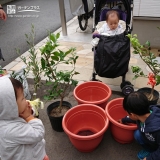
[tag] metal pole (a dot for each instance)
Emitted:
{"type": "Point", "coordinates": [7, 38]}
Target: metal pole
{"type": "Point", "coordinates": [63, 17]}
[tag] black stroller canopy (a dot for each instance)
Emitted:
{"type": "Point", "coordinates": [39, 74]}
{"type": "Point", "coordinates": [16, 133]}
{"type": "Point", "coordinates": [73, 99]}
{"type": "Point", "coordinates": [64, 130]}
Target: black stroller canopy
{"type": "Point", "coordinates": [100, 3]}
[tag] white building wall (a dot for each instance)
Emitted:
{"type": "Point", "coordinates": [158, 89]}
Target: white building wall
{"type": "Point", "coordinates": [146, 8]}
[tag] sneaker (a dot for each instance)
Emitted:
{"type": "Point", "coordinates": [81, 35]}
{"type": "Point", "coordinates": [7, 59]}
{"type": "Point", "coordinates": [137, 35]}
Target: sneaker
{"type": "Point", "coordinates": [142, 154]}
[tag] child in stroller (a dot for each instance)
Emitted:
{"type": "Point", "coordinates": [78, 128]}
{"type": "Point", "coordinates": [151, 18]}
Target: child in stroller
{"type": "Point", "coordinates": [110, 28]}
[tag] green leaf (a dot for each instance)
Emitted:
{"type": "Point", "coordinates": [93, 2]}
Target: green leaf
{"type": "Point", "coordinates": [148, 43]}
{"type": "Point", "coordinates": [141, 73]}
{"type": "Point", "coordinates": [55, 58]}
{"type": "Point", "coordinates": [46, 98]}
{"type": "Point", "coordinates": [135, 52]}
{"type": "Point", "coordinates": [135, 35]}
{"type": "Point", "coordinates": [53, 37]}
{"type": "Point", "coordinates": [56, 53]}
{"type": "Point", "coordinates": [74, 83]}
{"type": "Point", "coordinates": [57, 35]}
{"type": "Point", "coordinates": [157, 79]}
{"type": "Point", "coordinates": [43, 63]}
{"type": "Point", "coordinates": [75, 73]}
{"type": "Point", "coordinates": [48, 83]}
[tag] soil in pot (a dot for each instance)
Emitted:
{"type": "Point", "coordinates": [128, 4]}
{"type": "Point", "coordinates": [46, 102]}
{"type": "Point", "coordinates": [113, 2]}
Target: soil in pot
{"type": "Point", "coordinates": [85, 133]}
{"type": "Point", "coordinates": [57, 112]}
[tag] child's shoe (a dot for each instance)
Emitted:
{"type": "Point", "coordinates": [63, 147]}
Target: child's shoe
{"type": "Point", "coordinates": [142, 154]}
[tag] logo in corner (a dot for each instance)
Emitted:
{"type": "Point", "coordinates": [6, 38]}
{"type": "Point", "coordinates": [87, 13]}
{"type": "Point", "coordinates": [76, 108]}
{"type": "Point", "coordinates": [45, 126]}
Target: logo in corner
{"type": "Point", "coordinates": [11, 9]}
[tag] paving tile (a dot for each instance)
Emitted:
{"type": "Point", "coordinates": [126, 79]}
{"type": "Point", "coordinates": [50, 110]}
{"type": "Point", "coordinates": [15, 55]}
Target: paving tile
{"type": "Point", "coordinates": [139, 84]}
{"type": "Point", "coordinates": [84, 51]}
{"type": "Point", "coordinates": [25, 54]}
{"type": "Point", "coordinates": [11, 65]}
{"type": "Point", "coordinates": [133, 60]}
{"type": "Point", "coordinates": [157, 88]}
{"type": "Point", "coordinates": [18, 66]}
{"type": "Point", "coordinates": [18, 59]}
{"type": "Point", "coordinates": [87, 46]}
{"type": "Point", "coordinates": [83, 61]}
{"type": "Point", "coordinates": [61, 47]}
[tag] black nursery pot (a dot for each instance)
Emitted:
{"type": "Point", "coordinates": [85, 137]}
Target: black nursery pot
{"type": "Point", "coordinates": [148, 90]}
{"type": "Point", "coordinates": [56, 122]}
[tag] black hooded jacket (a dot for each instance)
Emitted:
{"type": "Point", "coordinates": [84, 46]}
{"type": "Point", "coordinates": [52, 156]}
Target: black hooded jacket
{"type": "Point", "coordinates": [150, 130]}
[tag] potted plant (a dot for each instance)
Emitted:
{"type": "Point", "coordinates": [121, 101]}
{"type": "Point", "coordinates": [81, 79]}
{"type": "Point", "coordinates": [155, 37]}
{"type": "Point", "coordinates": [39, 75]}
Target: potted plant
{"type": "Point", "coordinates": [149, 58]}
{"type": "Point", "coordinates": [32, 63]}
{"type": "Point", "coordinates": [60, 81]}
{"type": "Point", "coordinates": [34, 67]}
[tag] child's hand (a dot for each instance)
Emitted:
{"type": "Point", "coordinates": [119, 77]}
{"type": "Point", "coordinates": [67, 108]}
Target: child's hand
{"type": "Point", "coordinates": [120, 121]}
{"type": "Point", "coordinates": [27, 112]}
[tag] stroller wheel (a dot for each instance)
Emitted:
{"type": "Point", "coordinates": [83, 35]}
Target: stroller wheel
{"type": "Point", "coordinates": [83, 21]}
{"type": "Point", "coordinates": [127, 89]}
{"type": "Point", "coordinates": [125, 83]}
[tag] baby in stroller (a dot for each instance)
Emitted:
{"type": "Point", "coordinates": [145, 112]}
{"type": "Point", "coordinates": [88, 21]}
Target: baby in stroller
{"type": "Point", "coordinates": [110, 28]}
{"type": "Point", "coordinates": [111, 46]}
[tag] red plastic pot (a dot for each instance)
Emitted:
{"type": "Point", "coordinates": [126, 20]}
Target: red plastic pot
{"type": "Point", "coordinates": [121, 133]}
{"type": "Point", "coordinates": [85, 126]}
{"type": "Point", "coordinates": [92, 92]}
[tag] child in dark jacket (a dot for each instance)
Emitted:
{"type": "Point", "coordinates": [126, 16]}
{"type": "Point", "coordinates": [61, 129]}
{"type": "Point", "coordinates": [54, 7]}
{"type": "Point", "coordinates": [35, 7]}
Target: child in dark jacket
{"type": "Point", "coordinates": [148, 121]}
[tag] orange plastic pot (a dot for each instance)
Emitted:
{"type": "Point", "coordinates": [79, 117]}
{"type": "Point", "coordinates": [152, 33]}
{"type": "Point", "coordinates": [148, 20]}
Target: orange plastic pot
{"type": "Point", "coordinates": [92, 92]}
{"type": "Point", "coordinates": [121, 133]}
{"type": "Point", "coordinates": [85, 126]}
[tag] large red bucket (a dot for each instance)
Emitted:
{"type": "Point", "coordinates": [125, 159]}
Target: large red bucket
{"type": "Point", "coordinates": [121, 133]}
{"type": "Point", "coordinates": [92, 92]}
{"type": "Point", "coordinates": [85, 126]}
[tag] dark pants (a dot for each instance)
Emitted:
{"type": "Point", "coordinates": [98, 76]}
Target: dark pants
{"type": "Point", "coordinates": [138, 137]}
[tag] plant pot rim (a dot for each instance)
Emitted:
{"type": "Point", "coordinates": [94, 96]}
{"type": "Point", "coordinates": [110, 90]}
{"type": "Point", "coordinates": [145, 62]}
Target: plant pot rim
{"type": "Point", "coordinates": [146, 88]}
{"type": "Point", "coordinates": [93, 102]}
{"type": "Point", "coordinates": [114, 121]}
{"type": "Point", "coordinates": [89, 137]}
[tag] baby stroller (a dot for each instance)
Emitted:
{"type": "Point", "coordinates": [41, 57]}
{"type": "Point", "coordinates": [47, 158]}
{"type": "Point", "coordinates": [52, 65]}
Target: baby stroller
{"type": "Point", "coordinates": [83, 9]}
{"type": "Point", "coordinates": [112, 54]}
